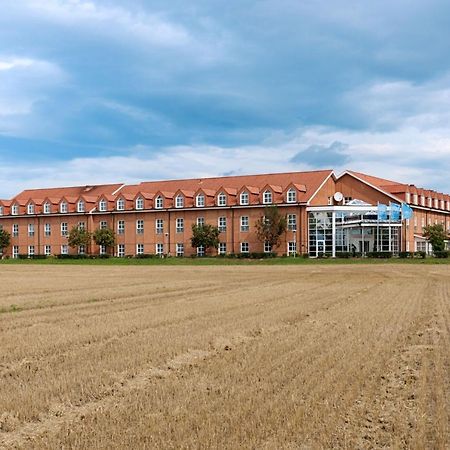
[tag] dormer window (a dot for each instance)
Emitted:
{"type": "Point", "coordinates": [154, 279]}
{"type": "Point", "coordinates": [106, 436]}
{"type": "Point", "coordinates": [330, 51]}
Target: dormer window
{"type": "Point", "coordinates": [47, 208]}
{"type": "Point", "coordinates": [15, 210]}
{"type": "Point", "coordinates": [222, 199]}
{"type": "Point", "coordinates": [436, 203]}
{"type": "Point", "coordinates": [103, 205]}
{"type": "Point", "coordinates": [120, 205]}
{"type": "Point", "coordinates": [442, 204]}
{"type": "Point", "coordinates": [179, 201]}
{"type": "Point", "coordinates": [1, 210]}
{"type": "Point", "coordinates": [267, 197]}
{"type": "Point", "coordinates": [30, 208]}
{"type": "Point", "coordinates": [159, 204]}
{"type": "Point", "coordinates": [200, 201]}
{"type": "Point", "coordinates": [430, 202]}
{"type": "Point", "coordinates": [81, 206]}
{"type": "Point", "coordinates": [63, 207]}
{"type": "Point", "coordinates": [244, 198]}
{"type": "Point", "coordinates": [139, 203]}
{"type": "Point", "coordinates": [408, 197]}
{"type": "Point", "coordinates": [415, 199]}
{"type": "Point", "coordinates": [422, 200]}
{"type": "Point", "coordinates": [291, 196]}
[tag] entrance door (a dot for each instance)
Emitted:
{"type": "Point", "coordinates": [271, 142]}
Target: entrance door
{"type": "Point", "coordinates": [320, 248]}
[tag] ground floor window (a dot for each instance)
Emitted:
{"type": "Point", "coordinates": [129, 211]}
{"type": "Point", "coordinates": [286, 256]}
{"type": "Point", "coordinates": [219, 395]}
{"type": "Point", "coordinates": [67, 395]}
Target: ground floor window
{"type": "Point", "coordinates": [15, 252]}
{"type": "Point", "coordinates": [421, 246]}
{"type": "Point", "coordinates": [292, 248]}
{"type": "Point", "coordinates": [81, 250]}
{"type": "Point", "coordinates": [180, 249]}
{"type": "Point", "coordinates": [121, 250]}
{"type": "Point", "coordinates": [64, 249]}
{"type": "Point", "coordinates": [47, 250]}
{"type": "Point", "coordinates": [222, 250]}
{"type": "Point", "coordinates": [31, 250]}
{"type": "Point", "coordinates": [245, 247]}
{"type": "Point", "coordinates": [160, 249]}
{"type": "Point", "coordinates": [267, 247]}
{"type": "Point", "coordinates": [139, 249]}
{"type": "Point", "coordinates": [201, 250]}
{"type": "Point", "coordinates": [102, 249]}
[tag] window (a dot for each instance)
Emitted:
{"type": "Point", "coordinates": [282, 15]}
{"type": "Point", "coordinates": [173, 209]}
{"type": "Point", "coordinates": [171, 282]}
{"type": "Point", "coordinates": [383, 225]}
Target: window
{"type": "Point", "coordinates": [200, 201]}
{"type": "Point", "coordinates": [415, 199]}
{"type": "Point", "coordinates": [139, 226]}
{"type": "Point", "coordinates": [81, 225]}
{"type": "Point", "coordinates": [30, 229]}
{"type": "Point", "coordinates": [103, 224]}
{"type": "Point", "coordinates": [222, 250]}
{"type": "Point", "coordinates": [159, 224]}
{"type": "Point", "coordinates": [200, 221]}
{"type": "Point", "coordinates": [15, 230]}
{"type": "Point", "coordinates": [139, 203]}
{"type": "Point", "coordinates": [244, 198]}
{"type": "Point", "coordinates": [121, 227]}
{"type": "Point", "coordinates": [179, 201]}
{"type": "Point", "coordinates": [31, 250]}
{"type": "Point", "coordinates": [81, 250]}
{"type": "Point", "coordinates": [222, 199]}
{"type": "Point", "coordinates": [330, 200]}
{"type": "Point", "coordinates": [267, 197]}
{"type": "Point", "coordinates": [15, 210]}
{"type": "Point", "coordinates": [47, 250]}
{"type": "Point", "coordinates": [102, 249]}
{"type": "Point", "coordinates": [222, 224]}
{"type": "Point", "coordinates": [15, 252]}
{"type": "Point", "coordinates": [63, 207]}
{"type": "Point", "coordinates": [64, 229]}
{"type": "Point", "coordinates": [160, 249]}
{"type": "Point", "coordinates": [422, 200]}
{"type": "Point", "coordinates": [139, 249]}
{"type": "Point", "coordinates": [245, 247]}
{"type": "Point", "coordinates": [64, 249]}
{"type": "Point", "coordinates": [103, 205]}
{"type": "Point", "coordinates": [120, 205]}
{"type": "Point", "coordinates": [121, 250]}
{"type": "Point", "coordinates": [30, 208]}
{"type": "Point", "coordinates": [292, 248]}
{"type": "Point", "coordinates": [180, 249]}
{"type": "Point", "coordinates": [47, 230]}
{"type": "Point", "coordinates": [47, 208]}
{"type": "Point", "coordinates": [179, 225]}
{"type": "Point", "coordinates": [347, 200]}
{"type": "Point", "coordinates": [244, 223]}
{"type": "Point", "coordinates": [81, 207]}
{"type": "Point", "coordinates": [267, 247]}
{"type": "Point", "coordinates": [292, 222]}
{"type": "Point", "coordinates": [159, 204]}
{"type": "Point", "coordinates": [291, 196]}
{"type": "Point", "coordinates": [442, 204]}
{"type": "Point", "coordinates": [201, 250]}
{"type": "Point", "coordinates": [1, 210]}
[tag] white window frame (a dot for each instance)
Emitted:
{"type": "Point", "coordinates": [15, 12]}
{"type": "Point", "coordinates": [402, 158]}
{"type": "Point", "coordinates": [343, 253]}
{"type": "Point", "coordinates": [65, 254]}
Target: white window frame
{"type": "Point", "coordinates": [292, 222]}
{"type": "Point", "coordinates": [159, 249]}
{"type": "Point", "coordinates": [47, 250]}
{"type": "Point", "coordinates": [102, 249]}
{"type": "Point", "coordinates": [222, 199]}
{"type": "Point", "coordinates": [15, 251]}
{"type": "Point", "coordinates": [47, 208]}
{"type": "Point", "coordinates": [81, 206]}
{"type": "Point", "coordinates": [291, 248]}
{"type": "Point", "coordinates": [139, 203]}
{"type": "Point", "coordinates": [30, 208]}
{"type": "Point", "coordinates": [222, 250]}
{"type": "Point", "coordinates": [245, 247]}
{"type": "Point", "coordinates": [159, 203]}
{"type": "Point", "coordinates": [179, 249]}
{"type": "Point", "coordinates": [120, 250]}
{"type": "Point", "coordinates": [179, 225]}
{"type": "Point", "coordinates": [201, 250]}
{"type": "Point", "coordinates": [291, 196]}
{"type": "Point", "coordinates": [267, 247]}
{"type": "Point", "coordinates": [267, 197]}
{"type": "Point", "coordinates": [245, 224]}
{"type": "Point", "coordinates": [200, 221]}
{"type": "Point", "coordinates": [103, 205]}
{"type": "Point", "coordinates": [31, 230]}
{"type": "Point", "coordinates": [244, 198]}
{"type": "Point", "coordinates": [179, 201]}
{"type": "Point", "coordinates": [31, 250]}
{"type": "Point", "coordinates": [121, 227]}
{"type": "Point", "coordinates": [139, 249]}
{"type": "Point", "coordinates": [64, 229]}
{"type": "Point", "coordinates": [15, 210]}
{"type": "Point", "coordinates": [139, 226]}
{"type": "Point", "coordinates": [47, 229]}
{"type": "Point", "coordinates": [64, 249]}
{"type": "Point", "coordinates": [200, 201]}
{"type": "Point", "coordinates": [15, 230]}
{"type": "Point", "coordinates": [63, 207]}
{"type": "Point", "coordinates": [103, 225]}
{"type": "Point", "coordinates": [222, 224]}
{"type": "Point", "coordinates": [159, 226]}
{"type": "Point", "coordinates": [120, 204]}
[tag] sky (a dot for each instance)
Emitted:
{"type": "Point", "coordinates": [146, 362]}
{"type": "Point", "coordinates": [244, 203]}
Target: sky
{"type": "Point", "coordinates": [126, 91]}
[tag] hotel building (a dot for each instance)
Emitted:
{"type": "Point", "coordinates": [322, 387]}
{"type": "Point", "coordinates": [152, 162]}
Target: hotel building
{"type": "Point", "coordinates": [326, 214]}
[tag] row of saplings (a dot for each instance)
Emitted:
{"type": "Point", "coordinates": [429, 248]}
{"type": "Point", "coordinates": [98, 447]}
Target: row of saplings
{"type": "Point", "coordinates": [269, 229]}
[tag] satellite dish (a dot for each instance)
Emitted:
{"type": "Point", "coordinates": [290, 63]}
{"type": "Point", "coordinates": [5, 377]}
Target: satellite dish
{"type": "Point", "coordinates": [338, 196]}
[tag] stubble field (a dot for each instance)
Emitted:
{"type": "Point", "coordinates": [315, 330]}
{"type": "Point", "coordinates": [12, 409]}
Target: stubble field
{"type": "Point", "coordinates": [273, 357]}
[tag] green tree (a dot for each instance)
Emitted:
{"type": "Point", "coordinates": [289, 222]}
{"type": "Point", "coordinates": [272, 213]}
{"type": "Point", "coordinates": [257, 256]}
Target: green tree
{"type": "Point", "coordinates": [271, 226]}
{"type": "Point", "coordinates": [205, 236]}
{"type": "Point", "coordinates": [104, 236]}
{"type": "Point", "coordinates": [436, 235]}
{"type": "Point", "coordinates": [5, 240]}
{"type": "Point", "coordinates": [79, 236]}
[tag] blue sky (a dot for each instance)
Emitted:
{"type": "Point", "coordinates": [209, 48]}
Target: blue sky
{"type": "Point", "coordinates": [106, 91]}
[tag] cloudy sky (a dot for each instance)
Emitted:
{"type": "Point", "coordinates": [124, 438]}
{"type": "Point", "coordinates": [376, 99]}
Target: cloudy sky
{"type": "Point", "coordinates": [131, 90]}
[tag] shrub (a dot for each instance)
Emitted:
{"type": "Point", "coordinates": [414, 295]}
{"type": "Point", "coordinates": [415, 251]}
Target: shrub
{"type": "Point", "coordinates": [345, 255]}
{"type": "Point", "coordinates": [379, 255]}
{"type": "Point", "coordinates": [421, 255]}
{"type": "Point", "coordinates": [442, 254]}
{"type": "Point", "coordinates": [404, 255]}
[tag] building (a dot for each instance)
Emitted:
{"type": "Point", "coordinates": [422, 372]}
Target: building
{"type": "Point", "coordinates": [327, 214]}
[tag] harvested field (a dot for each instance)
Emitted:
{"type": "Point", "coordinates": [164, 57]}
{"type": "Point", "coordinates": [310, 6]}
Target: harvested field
{"type": "Point", "coordinates": [268, 357]}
